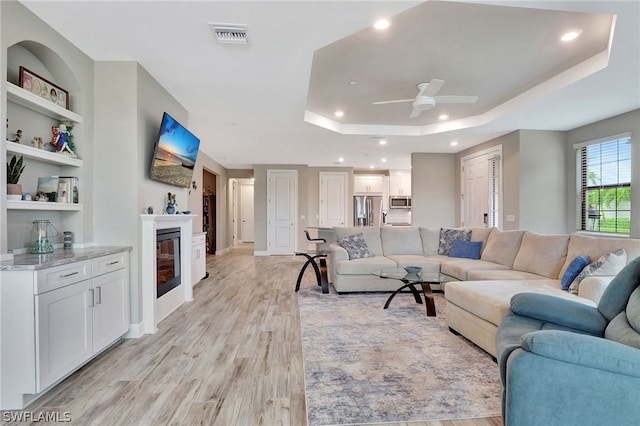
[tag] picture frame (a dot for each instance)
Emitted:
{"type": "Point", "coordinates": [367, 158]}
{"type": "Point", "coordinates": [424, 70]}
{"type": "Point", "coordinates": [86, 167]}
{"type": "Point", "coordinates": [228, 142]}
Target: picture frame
{"type": "Point", "coordinates": [42, 87]}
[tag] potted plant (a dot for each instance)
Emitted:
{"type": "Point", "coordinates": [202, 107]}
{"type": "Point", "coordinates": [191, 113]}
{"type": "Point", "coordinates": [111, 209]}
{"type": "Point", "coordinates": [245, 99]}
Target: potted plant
{"type": "Point", "coordinates": [14, 170]}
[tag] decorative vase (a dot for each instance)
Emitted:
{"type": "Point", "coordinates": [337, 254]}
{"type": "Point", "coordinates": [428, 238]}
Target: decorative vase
{"type": "Point", "coordinates": [14, 191]}
{"type": "Point", "coordinates": [171, 209]}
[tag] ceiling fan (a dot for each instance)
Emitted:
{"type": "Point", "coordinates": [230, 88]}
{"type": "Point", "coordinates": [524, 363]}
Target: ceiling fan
{"type": "Point", "coordinates": [427, 99]}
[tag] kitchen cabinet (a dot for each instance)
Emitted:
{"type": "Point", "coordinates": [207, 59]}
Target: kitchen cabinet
{"type": "Point", "coordinates": [400, 183]}
{"type": "Point", "coordinates": [198, 257]}
{"type": "Point", "coordinates": [367, 184]}
{"type": "Point", "coordinates": [55, 319]}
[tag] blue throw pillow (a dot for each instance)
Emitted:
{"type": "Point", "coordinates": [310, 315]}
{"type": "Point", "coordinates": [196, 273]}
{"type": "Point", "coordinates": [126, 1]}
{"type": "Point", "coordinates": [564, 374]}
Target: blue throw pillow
{"type": "Point", "coordinates": [466, 249]}
{"type": "Point", "coordinates": [575, 267]}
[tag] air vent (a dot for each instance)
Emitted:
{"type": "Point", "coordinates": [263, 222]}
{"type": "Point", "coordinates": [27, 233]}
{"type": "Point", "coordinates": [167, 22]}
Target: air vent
{"type": "Point", "coordinates": [229, 33]}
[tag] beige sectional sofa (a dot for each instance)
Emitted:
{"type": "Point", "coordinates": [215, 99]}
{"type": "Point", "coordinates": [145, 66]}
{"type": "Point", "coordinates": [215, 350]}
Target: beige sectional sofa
{"type": "Point", "coordinates": [480, 290]}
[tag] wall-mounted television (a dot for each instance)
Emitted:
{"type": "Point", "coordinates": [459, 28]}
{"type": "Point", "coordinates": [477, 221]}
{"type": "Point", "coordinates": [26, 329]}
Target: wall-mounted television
{"type": "Point", "coordinates": [175, 154]}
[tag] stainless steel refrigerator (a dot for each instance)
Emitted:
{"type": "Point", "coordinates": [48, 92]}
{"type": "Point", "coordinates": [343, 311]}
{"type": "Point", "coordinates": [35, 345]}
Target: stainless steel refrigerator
{"type": "Point", "coordinates": [367, 210]}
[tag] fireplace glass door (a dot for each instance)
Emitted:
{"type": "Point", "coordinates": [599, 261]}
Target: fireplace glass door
{"type": "Point", "coordinates": [167, 260]}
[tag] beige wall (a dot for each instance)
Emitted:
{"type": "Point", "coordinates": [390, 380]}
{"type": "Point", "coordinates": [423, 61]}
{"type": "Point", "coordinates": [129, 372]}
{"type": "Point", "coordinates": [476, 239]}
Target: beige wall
{"type": "Point", "coordinates": [433, 183]}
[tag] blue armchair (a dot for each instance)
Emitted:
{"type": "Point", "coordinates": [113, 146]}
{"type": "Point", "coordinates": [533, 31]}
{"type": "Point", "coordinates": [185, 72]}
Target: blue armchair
{"type": "Point", "coordinates": [566, 363]}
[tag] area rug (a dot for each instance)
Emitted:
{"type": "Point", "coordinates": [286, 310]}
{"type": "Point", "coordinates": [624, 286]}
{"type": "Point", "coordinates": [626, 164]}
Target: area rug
{"type": "Point", "coordinates": [364, 364]}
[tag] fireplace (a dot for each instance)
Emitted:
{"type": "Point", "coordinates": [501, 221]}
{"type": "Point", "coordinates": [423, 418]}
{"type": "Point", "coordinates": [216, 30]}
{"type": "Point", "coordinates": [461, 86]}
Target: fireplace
{"type": "Point", "coordinates": [168, 274]}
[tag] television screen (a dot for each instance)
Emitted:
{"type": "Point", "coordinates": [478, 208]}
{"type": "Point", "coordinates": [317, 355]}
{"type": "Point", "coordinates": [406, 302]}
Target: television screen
{"type": "Point", "coordinates": [175, 153]}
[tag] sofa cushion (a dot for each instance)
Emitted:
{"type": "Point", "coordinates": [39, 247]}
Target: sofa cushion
{"type": "Point", "coordinates": [502, 247]}
{"type": "Point", "coordinates": [364, 266]}
{"type": "Point", "coordinates": [460, 268]}
{"type": "Point", "coordinates": [448, 236]}
{"type": "Point", "coordinates": [633, 310]}
{"type": "Point", "coordinates": [606, 265]}
{"type": "Point", "coordinates": [355, 246]}
{"type": "Point", "coordinates": [466, 249]}
{"type": "Point", "coordinates": [542, 254]}
{"type": "Point", "coordinates": [427, 265]}
{"type": "Point", "coordinates": [504, 274]}
{"type": "Point", "coordinates": [397, 240]}
{"type": "Point", "coordinates": [594, 247]}
{"type": "Point", "coordinates": [490, 300]}
{"type": "Point", "coordinates": [575, 267]}
{"type": "Point", "coordinates": [430, 240]}
{"type": "Point", "coordinates": [480, 234]}
{"type": "Point", "coordinates": [371, 236]}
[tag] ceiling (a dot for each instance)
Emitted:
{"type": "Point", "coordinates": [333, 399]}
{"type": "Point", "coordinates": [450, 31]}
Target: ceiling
{"type": "Point", "coordinates": [272, 101]}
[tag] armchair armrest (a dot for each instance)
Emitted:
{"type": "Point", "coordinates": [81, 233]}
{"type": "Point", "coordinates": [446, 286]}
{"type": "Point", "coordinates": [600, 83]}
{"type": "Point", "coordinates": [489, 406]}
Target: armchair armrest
{"type": "Point", "coordinates": [556, 310]}
{"type": "Point", "coordinates": [584, 350]}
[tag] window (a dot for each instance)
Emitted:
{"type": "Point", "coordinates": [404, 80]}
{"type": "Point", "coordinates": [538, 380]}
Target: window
{"type": "Point", "coordinates": [604, 185]}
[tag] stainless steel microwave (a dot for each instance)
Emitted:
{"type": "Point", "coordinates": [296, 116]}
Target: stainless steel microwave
{"type": "Point", "coordinates": [396, 202]}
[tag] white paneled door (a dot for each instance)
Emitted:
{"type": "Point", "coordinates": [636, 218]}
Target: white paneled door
{"type": "Point", "coordinates": [282, 199]}
{"type": "Point", "coordinates": [246, 213]}
{"type": "Point", "coordinates": [333, 199]}
{"type": "Point", "coordinates": [475, 196]}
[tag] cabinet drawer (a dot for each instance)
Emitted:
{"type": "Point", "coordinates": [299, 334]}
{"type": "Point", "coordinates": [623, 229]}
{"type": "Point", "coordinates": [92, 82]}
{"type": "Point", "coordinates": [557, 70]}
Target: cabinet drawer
{"type": "Point", "coordinates": [106, 264]}
{"type": "Point", "coordinates": [60, 276]}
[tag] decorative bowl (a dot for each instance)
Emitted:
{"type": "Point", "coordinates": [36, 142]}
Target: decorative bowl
{"type": "Point", "coordinates": [186, 212]}
{"type": "Point", "coordinates": [412, 269]}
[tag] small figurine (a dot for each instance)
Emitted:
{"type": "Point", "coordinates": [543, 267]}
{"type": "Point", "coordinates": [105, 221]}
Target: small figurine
{"type": "Point", "coordinates": [60, 139]}
{"type": "Point", "coordinates": [37, 142]}
{"type": "Point", "coordinates": [15, 137]}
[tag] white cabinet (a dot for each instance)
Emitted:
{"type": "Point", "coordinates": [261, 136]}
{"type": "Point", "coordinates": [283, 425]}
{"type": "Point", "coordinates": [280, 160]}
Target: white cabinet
{"type": "Point", "coordinates": [66, 314]}
{"type": "Point", "coordinates": [333, 199]}
{"type": "Point", "coordinates": [400, 183]}
{"type": "Point", "coordinates": [198, 257]}
{"type": "Point", "coordinates": [367, 184]}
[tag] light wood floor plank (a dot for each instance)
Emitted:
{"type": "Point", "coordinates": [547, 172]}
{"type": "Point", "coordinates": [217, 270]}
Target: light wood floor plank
{"type": "Point", "coordinates": [233, 356]}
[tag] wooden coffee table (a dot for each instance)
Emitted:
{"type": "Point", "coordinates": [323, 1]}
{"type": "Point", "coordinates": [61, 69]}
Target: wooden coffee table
{"type": "Point", "coordinates": [424, 279]}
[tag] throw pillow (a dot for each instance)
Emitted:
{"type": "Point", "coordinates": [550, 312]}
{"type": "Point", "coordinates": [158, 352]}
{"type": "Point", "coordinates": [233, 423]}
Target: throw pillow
{"type": "Point", "coordinates": [466, 249]}
{"type": "Point", "coordinates": [448, 236]}
{"type": "Point", "coordinates": [355, 245]}
{"type": "Point", "coordinates": [575, 267]}
{"type": "Point", "coordinates": [606, 265]}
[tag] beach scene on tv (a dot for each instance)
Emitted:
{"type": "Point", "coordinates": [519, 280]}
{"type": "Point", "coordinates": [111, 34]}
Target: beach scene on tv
{"type": "Point", "coordinates": [175, 154]}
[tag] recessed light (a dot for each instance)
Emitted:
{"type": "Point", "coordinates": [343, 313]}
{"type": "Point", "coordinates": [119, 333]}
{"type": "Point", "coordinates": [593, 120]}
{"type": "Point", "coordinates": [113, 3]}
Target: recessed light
{"type": "Point", "coordinates": [353, 83]}
{"type": "Point", "coordinates": [453, 143]}
{"type": "Point", "coordinates": [381, 24]}
{"type": "Point", "coordinates": [382, 141]}
{"type": "Point", "coordinates": [340, 160]}
{"type": "Point", "coordinates": [372, 166]}
{"type": "Point", "coordinates": [339, 113]}
{"type": "Point", "coordinates": [571, 35]}
{"type": "Point", "coordinates": [443, 116]}
{"type": "Point", "coordinates": [384, 160]}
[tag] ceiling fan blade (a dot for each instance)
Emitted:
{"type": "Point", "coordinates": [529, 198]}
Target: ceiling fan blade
{"type": "Point", "coordinates": [456, 99]}
{"type": "Point", "coordinates": [415, 112]}
{"type": "Point", "coordinates": [395, 101]}
{"type": "Point", "coordinates": [432, 88]}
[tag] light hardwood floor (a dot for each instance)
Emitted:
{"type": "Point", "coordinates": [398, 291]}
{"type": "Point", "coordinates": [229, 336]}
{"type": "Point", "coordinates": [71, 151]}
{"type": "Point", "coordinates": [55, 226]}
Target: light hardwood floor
{"type": "Point", "coordinates": [233, 356]}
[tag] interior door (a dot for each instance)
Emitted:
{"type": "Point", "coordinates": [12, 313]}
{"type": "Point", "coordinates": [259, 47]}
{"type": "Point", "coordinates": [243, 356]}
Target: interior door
{"type": "Point", "coordinates": [333, 199]}
{"type": "Point", "coordinates": [475, 191]}
{"type": "Point", "coordinates": [246, 213]}
{"type": "Point", "coordinates": [282, 200]}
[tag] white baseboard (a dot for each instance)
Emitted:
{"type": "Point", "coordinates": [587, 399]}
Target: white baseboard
{"type": "Point", "coordinates": [261, 253]}
{"type": "Point", "coordinates": [135, 331]}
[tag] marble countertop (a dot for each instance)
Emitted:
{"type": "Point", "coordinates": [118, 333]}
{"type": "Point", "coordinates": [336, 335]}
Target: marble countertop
{"type": "Point", "coordinates": [31, 262]}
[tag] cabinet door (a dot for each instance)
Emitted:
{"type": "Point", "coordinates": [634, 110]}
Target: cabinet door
{"type": "Point", "coordinates": [333, 199]}
{"type": "Point", "coordinates": [360, 184]}
{"type": "Point", "coordinates": [63, 335]}
{"type": "Point", "coordinates": [405, 184]}
{"type": "Point", "coordinates": [111, 308]}
{"type": "Point", "coordinates": [375, 184]}
{"type": "Point", "coordinates": [198, 259]}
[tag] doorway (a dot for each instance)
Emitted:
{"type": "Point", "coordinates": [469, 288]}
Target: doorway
{"type": "Point", "coordinates": [246, 213]}
{"type": "Point", "coordinates": [209, 210]}
{"type": "Point", "coordinates": [480, 188]}
{"type": "Point", "coordinates": [282, 196]}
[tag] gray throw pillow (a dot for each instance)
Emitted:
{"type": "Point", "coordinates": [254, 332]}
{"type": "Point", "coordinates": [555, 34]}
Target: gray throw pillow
{"type": "Point", "coordinates": [355, 245]}
{"type": "Point", "coordinates": [448, 236]}
{"type": "Point", "coordinates": [607, 265]}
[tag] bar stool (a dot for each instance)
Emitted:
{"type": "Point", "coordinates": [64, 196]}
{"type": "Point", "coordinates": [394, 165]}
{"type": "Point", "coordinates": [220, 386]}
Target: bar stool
{"type": "Point", "coordinates": [321, 270]}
